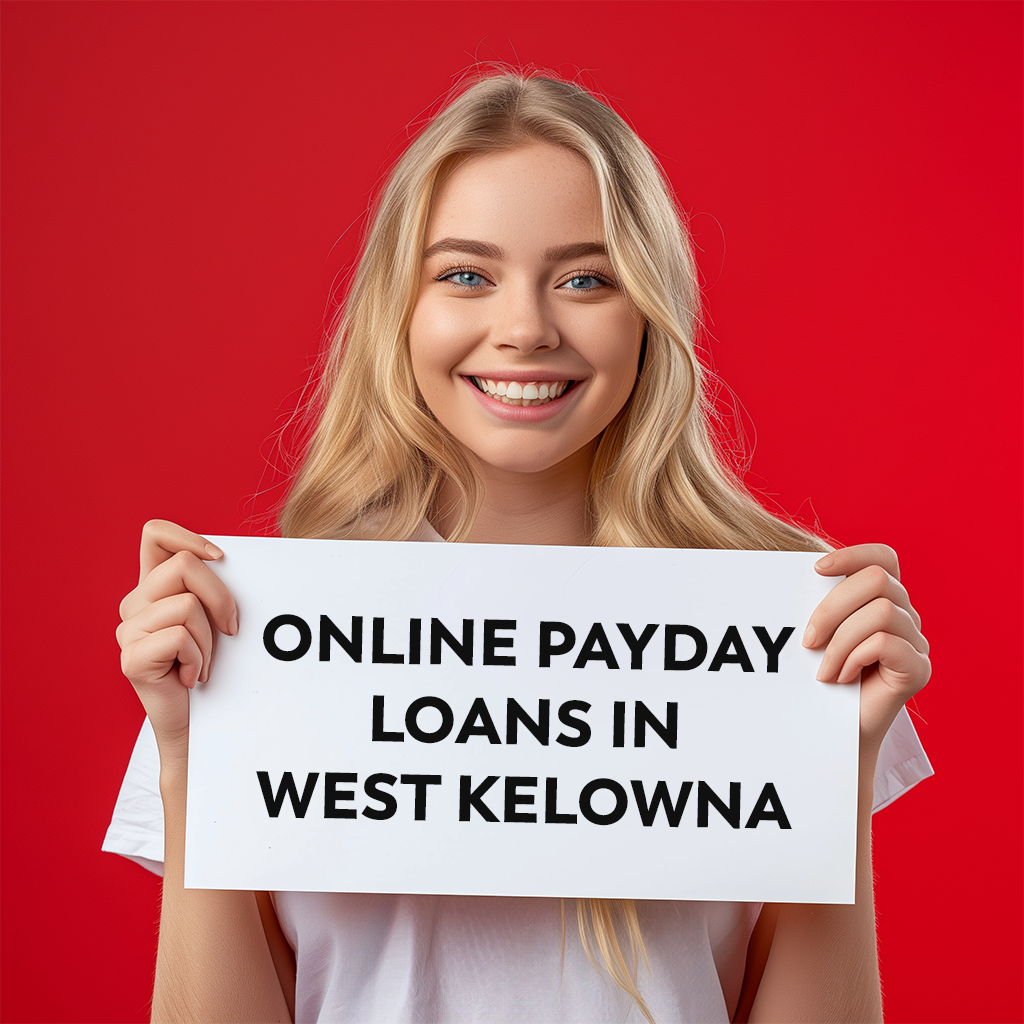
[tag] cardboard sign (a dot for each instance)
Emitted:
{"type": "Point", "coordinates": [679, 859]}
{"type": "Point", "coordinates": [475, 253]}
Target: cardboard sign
{"type": "Point", "coordinates": [526, 721]}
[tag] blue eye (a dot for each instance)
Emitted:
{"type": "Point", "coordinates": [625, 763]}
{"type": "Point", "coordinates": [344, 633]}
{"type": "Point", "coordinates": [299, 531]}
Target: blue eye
{"type": "Point", "coordinates": [583, 283]}
{"type": "Point", "coordinates": [467, 278]}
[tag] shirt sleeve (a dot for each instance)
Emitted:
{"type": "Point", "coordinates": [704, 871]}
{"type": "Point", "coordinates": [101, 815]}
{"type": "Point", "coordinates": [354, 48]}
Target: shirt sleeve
{"type": "Point", "coordinates": [137, 828]}
{"type": "Point", "coordinates": [902, 762]}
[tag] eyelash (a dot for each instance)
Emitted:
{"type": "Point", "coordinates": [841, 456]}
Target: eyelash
{"type": "Point", "coordinates": [581, 272]}
{"type": "Point", "coordinates": [597, 275]}
{"type": "Point", "coordinates": [452, 271]}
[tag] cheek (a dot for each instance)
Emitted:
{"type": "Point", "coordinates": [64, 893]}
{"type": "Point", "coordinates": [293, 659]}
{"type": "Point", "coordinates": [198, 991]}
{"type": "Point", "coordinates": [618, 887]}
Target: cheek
{"type": "Point", "coordinates": [434, 350]}
{"type": "Point", "coordinates": [615, 354]}
{"type": "Point", "coordinates": [438, 339]}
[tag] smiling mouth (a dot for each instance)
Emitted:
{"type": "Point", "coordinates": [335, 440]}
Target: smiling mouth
{"type": "Point", "coordinates": [514, 392]}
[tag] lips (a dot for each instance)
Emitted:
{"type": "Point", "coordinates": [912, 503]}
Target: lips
{"type": "Point", "coordinates": [520, 392]}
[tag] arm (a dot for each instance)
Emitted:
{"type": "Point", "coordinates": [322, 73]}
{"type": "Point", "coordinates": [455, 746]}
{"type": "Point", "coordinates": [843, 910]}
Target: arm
{"type": "Point", "coordinates": [823, 961]}
{"type": "Point", "coordinates": [214, 962]}
{"type": "Point", "coordinates": [214, 958]}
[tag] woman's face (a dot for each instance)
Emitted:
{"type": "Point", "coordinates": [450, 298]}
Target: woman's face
{"type": "Point", "coordinates": [522, 344]}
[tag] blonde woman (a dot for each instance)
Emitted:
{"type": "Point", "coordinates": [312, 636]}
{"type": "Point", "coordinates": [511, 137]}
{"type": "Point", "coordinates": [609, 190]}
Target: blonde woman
{"type": "Point", "coordinates": [515, 364]}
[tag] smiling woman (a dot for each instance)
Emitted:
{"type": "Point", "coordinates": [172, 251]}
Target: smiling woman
{"type": "Point", "coordinates": [515, 364]}
{"type": "Point", "coordinates": [519, 195]}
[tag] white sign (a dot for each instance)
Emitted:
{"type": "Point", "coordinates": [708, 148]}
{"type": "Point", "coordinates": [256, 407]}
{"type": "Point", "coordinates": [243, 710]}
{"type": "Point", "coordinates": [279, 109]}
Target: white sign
{"type": "Point", "coordinates": [526, 721]}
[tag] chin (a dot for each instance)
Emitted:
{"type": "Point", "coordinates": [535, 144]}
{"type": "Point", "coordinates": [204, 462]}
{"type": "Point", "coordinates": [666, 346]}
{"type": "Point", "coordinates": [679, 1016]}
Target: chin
{"type": "Point", "coordinates": [525, 458]}
{"type": "Point", "coordinates": [518, 464]}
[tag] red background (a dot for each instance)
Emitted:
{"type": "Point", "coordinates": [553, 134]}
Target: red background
{"type": "Point", "coordinates": [184, 185]}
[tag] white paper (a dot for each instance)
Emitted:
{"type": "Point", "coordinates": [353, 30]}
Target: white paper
{"type": "Point", "coordinates": [261, 714]}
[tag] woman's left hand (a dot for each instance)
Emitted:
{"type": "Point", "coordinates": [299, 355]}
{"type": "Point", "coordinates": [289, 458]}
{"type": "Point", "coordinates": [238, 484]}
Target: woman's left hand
{"type": "Point", "coordinates": [872, 631]}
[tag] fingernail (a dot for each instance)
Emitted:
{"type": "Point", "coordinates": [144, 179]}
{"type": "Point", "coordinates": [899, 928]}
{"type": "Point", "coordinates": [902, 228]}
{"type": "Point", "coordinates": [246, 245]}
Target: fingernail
{"type": "Point", "coordinates": [213, 551]}
{"type": "Point", "coordinates": [809, 634]}
{"type": "Point", "coordinates": [821, 677]}
{"type": "Point", "coordinates": [825, 563]}
{"type": "Point", "coordinates": [233, 624]}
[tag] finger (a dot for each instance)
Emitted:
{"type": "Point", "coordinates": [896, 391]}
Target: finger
{"type": "Point", "coordinates": [182, 572]}
{"type": "Point", "coordinates": [854, 592]}
{"type": "Point", "coordinates": [162, 539]}
{"type": "Point", "coordinates": [168, 656]}
{"type": "Point", "coordinates": [901, 666]}
{"type": "Point", "coordinates": [178, 610]}
{"type": "Point", "coordinates": [878, 616]}
{"type": "Point", "coordinates": [847, 561]}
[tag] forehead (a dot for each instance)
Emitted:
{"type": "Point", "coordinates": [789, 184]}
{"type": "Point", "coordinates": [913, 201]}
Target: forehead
{"type": "Point", "coordinates": [524, 200]}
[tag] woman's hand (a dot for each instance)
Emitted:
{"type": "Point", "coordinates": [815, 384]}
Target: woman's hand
{"type": "Point", "coordinates": [870, 630]}
{"type": "Point", "coordinates": [166, 632]}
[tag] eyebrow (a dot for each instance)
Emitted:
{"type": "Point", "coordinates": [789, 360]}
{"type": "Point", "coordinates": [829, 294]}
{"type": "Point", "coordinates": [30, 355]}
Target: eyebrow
{"type": "Point", "coordinates": [575, 251]}
{"type": "Point", "coordinates": [465, 245]}
{"type": "Point", "coordinates": [473, 247]}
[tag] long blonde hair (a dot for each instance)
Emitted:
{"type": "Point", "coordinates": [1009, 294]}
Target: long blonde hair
{"type": "Point", "coordinates": [377, 457]}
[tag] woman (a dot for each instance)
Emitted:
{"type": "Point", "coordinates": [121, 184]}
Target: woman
{"type": "Point", "coordinates": [516, 364]}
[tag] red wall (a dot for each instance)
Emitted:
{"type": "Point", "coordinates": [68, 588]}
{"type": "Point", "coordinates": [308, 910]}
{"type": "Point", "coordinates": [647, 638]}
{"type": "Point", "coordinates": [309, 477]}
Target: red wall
{"type": "Point", "coordinates": [184, 184]}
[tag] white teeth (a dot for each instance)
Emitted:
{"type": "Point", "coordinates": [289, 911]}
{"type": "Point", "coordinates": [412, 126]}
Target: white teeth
{"type": "Point", "coordinates": [513, 392]}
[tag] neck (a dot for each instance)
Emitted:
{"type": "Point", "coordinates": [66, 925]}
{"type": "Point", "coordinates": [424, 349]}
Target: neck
{"type": "Point", "coordinates": [548, 507]}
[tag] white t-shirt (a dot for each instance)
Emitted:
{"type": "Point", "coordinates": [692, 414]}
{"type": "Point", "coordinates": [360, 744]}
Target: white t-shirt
{"type": "Point", "coordinates": [371, 958]}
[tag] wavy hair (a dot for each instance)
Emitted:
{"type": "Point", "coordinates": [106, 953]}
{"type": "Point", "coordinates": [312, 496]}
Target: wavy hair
{"type": "Point", "coordinates": [377, 457]}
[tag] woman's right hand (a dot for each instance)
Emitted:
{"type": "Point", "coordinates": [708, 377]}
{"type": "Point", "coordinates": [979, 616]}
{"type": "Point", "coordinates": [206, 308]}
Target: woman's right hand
{"type": "Point", "coordinates": [166, 632]}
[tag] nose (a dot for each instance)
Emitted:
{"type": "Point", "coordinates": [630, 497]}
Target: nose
{"type": "Point", "coordinates": [523, 321]}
